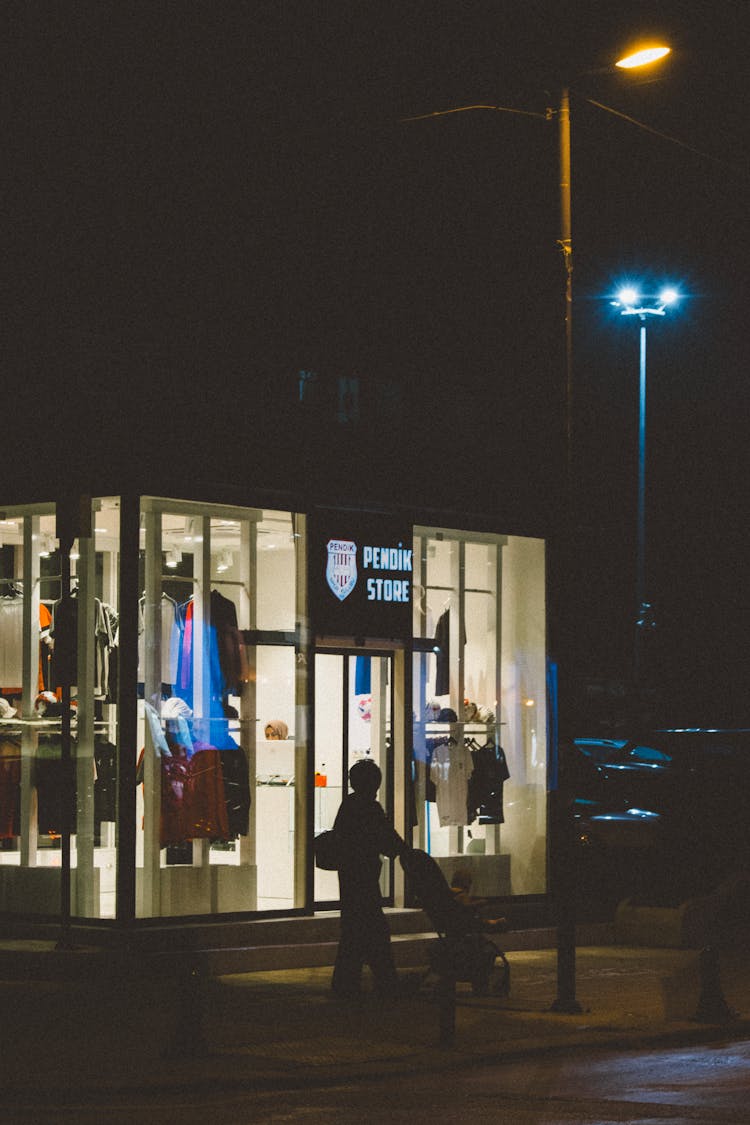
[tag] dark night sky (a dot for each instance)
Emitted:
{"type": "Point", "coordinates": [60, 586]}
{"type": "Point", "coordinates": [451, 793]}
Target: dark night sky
{"type": "Point", "coordinates": [237, 178]}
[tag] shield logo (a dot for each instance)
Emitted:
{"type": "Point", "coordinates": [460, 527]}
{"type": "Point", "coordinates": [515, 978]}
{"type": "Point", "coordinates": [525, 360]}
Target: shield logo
{"type": "Point", "coordinates": [341, 571]}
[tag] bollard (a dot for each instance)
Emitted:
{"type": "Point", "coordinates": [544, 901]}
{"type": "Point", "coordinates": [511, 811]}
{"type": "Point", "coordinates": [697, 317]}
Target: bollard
{"type": "Point", "coordinates": [565, 903]}
{"type": "Point", "coordinates": [712, 1007]}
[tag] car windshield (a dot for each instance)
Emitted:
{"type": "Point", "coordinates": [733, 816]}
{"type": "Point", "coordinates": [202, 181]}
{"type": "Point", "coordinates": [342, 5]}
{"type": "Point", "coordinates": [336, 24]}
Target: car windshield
{"type": "Point", "coordinates": [621, 752]}
{"type": "Point", "coordinates": [649, 755]}
{"type": "Point", "coordinates": [602, 750]}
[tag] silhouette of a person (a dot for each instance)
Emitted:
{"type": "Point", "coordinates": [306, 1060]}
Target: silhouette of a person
{"type": "Point", "coordinates": [365, 835]}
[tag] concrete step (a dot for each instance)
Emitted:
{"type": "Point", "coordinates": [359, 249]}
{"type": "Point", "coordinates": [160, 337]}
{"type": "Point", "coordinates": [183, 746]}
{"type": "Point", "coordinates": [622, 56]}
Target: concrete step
{"type": "Point", "coordinates": [308, 946]}
{"type": "Point", "coordinates": [313, 929]}
{"type": "Point", "coordinates": [409, 950]}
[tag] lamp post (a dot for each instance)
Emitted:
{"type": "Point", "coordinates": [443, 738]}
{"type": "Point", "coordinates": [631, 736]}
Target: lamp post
{"type": "Point", "coordinates": [562, 820]}
{"type": "Point", "coordinates": [562, 817]}
{"type": "Point", "coordinates": [644, 55]}
{"type": "Point", "coordinates": [634, 60]}
{"type": "Point", "coordinates": [630, 303]}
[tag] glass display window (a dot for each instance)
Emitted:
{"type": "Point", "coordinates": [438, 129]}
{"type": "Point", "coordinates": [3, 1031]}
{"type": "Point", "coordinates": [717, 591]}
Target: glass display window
{"type": "Point", "coordinates": [219, 796]}
{"type": "Point", "coordinates": [58, 635]}
{"type": "Point", "coordinates": [479, 707]}
{"type": "Point", "coordinates": [238, 762]}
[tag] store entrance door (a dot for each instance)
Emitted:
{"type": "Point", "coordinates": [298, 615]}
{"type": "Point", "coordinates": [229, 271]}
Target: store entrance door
{"type": "Point", "coordinates": [353, 720]}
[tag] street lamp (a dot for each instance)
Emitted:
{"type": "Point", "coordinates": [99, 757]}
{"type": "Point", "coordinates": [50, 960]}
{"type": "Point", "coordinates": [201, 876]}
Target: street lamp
{"type": "Point", "coordinates": [631, 303]}
{"type": "Point", "coordinates": [566, 999]}
{"type": "Point", "coordinates": [644, 55]}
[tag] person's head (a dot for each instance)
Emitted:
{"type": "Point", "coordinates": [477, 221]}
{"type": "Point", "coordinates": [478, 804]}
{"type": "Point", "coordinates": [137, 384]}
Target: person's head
{"type": "Point", "coordinates": [276, 729]}
{"type": "Point", "coordinates": [461, 879]}
{"type": "Point", "coordinates": [365, 777]}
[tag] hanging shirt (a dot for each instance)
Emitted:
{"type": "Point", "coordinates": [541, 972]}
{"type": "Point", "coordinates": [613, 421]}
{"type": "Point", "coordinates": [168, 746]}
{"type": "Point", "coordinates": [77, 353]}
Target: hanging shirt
{"type": "Point", "coordinates": [45, 648]}
{"type": "Point", "coordinates": [450, 771]}
{"type": "Point", "coordinates": [104, 640]}
{"type": "Point", "coordinates": [185, 659]}
{"type": "Point", "coordinates": [11, 644]}
{"type": "Point", "coordinates": [362, 676]}
{"type": "Point", "coordinates": [223, 652]}
{"type": "Point", "coordinates": [442, 655]}
{"type": "Point", "coordinates": [170, 640]}
{"type": "Point", "coordinates": [105, 780]}
{"type": "Point", "coordinates": [64, 632]}
{"type": "Point", "coordinates": [486, 785]}
{"type": "Point", "coordinates": [227, 670]}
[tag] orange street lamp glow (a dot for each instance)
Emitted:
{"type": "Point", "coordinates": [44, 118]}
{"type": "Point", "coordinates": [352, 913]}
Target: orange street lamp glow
{"type": "Point", "coordinates": [643, 57]}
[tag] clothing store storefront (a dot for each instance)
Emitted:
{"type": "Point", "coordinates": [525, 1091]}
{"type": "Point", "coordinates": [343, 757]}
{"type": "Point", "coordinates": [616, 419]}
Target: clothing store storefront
{"type": "Point", "coordinates": [226, 666]}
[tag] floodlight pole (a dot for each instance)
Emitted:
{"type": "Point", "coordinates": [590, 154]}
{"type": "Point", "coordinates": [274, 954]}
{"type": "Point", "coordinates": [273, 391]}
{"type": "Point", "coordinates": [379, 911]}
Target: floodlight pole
{"type": "Point", "coordinates": [641, 619]}
{"type": "Point", "coordinates": [629, 305]}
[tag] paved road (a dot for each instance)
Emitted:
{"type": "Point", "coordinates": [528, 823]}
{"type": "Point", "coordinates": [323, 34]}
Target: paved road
{"type": "Point", "coordinates": [695, 1086]}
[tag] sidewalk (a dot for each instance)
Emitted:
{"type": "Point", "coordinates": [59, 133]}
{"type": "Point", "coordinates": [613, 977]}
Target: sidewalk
{"type": "Point", "coordinates": [139, 1032]}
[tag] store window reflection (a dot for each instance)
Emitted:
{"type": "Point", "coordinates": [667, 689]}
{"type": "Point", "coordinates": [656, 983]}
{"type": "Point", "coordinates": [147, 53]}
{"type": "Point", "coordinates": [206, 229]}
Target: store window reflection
{"type": "Point", "coordinates": [209, 676]}
{"type": "Point", "coordinates": [49, 635]}
{"type": "Point", "coordinates": [479, 749]}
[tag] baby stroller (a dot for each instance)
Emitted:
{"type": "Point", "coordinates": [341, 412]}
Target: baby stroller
{"type": "Point", "coordinates": [463, 952]}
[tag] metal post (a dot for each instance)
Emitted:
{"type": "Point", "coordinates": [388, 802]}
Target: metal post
{"type": "Point", "coordinates": [641, 624]}
{"type": "Point", "coordinates": [564, 870]}
{"type": "Point", "coordinates": [127, 713]}
{"type": "Point", "coordinates": [712, 1006]}
{"type": "Point", "coordinates": [566, 245]}
{"type": "Point", "coordinates": [66, 763]}
{"type": "Point", "coordinates": [562, 827]}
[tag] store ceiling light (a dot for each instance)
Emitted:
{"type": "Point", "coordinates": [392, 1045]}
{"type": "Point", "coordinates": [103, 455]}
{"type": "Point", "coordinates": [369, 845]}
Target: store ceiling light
{"type": "Point", "coordinates": [225, 561]}
{"type": "Point", "coordinates": [174, 557]}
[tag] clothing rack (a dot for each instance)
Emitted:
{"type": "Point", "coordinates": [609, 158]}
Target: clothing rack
{"type": "Point", "coordinates": [50, 724]}
{"type": "Point", "coordinates": [467, 589]}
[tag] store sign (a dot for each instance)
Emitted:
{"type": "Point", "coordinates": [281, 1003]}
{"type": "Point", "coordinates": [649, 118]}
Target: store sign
{"type": "Point", "coordinates": [361, 574]}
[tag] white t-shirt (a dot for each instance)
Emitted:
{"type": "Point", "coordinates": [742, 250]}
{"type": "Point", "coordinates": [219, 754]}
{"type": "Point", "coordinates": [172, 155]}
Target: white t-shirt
{"type": "Point", "coordinates": [170, 640]}
{"type": "Point", "coordinates": [11, 642]}
{"type": "Point", "coordinates": [450, 771]}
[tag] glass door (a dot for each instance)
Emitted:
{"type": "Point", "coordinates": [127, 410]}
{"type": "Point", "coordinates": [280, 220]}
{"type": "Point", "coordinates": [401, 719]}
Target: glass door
{"type": "Point", "coordinates": [353, 720]}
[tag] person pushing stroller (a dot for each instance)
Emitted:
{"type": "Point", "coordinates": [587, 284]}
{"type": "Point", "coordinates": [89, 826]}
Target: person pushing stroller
{"type": "Point", "coordinates": [364, 835]}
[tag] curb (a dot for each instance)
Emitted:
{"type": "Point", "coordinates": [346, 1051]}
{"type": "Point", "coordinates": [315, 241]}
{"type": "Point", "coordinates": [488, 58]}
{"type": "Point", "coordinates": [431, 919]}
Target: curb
{"type": "Point", "coordinates": [321, 1075]}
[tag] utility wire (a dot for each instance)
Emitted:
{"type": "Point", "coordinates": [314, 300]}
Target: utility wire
{"type": "Point", "coordinates": [462, 108]}
{"type": "Point", "coordinates": [549, 114]}
{"type": "Point", "coordinates": [666, 136]}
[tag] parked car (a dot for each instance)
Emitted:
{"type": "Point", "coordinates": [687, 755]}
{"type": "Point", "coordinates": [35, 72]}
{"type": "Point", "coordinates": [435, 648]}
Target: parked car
{"type": "Point", "coordinates": [615, 793]}
{"type": "Point", "coordinates": [685, 790]}
{"type": "Point", "coordinates": [615, 775]}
